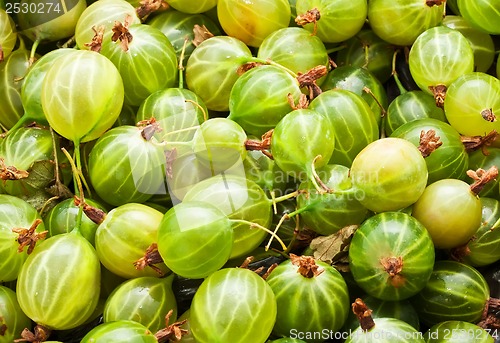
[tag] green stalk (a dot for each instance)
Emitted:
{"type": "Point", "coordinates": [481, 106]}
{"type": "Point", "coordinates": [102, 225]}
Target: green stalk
{"type": "Point", "coordinates": [260, 227]}
{"type": "Point", "coordinates": [20, 123]}
{"type": "Point", "coordinates": [270, 62]}
{"type": "Point", "coordinates": [401, 88]}
{"type": "Point", "coordinates": [33, 51]}
{"type": "Point", "coordinates": [181, 64]}
{"type": "Point", "coordinates": [286, 196]}
{"type": "Point", "coordinates": [305, 209]}
{"type": "Point", "coordinates": [282, 219]}
{"type": "Point", "coordinates": [78, 183]}
{"type": "Point", "coordinates": [496, 225]}
{"type": "Point", "coordinates": [335, 49]}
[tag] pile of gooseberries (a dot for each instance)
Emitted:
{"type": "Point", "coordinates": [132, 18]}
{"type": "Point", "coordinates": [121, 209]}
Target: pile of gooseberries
{"type": "Point", "coordinates": [259, 171]}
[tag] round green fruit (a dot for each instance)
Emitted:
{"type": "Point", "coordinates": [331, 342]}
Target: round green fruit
{"type": "Point", "coordinates": [391, 173]}
{"type": "Point", "coordinates": [391, 256]}
{"type": "Point", "coordinates": [233, 305]}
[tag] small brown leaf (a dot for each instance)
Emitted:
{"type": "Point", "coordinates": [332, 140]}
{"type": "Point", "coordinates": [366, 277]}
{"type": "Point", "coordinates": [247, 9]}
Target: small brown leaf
{"type": "Point", "coordinates": [201, 34]}
{"type": "Point", "coordinates": [331, 249]}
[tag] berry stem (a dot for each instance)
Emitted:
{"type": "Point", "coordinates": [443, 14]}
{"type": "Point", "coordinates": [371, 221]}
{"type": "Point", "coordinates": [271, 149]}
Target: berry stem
{"type": "Point", "coordinates": [33, 51]}
{"type": "Point", "coordinates": [270, 62]}
{"type": "Point", "coordinates": [77, 179]}
{"type": "Point", "coordinates": [395, 75]}
{"type": "Point", "coordinates": [285, 197]}
{"type": "Point", "coordinates": [181, 64]}
{"type": "Point", "coordinates": [260, 227]}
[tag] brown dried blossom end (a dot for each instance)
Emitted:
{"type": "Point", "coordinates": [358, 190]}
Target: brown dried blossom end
{"type": "Point", "coordinates": [246, 262]}
{"type": "Point", "coordinates": [150, 258]}
{"type": "Point", "coordinates": [307, 266]}
{"type": "Point", "coordinates": [122, 34]}
{"type": "Point", "coordinates": [96, 42]}
{"type": "Point", "coordinates": [431, 3]}
{"type": "Point", "coordinates": [11, 172]}
{"type": "Point", "coordinates": [201, 34]}
{"type": "Point", "coordinates": [143, 123]}
{"type": "Point", "coordinates": [439, 93]}
{"type": "Point", "coordinates": [490, 322]}
{"type": "Point", "coordinates": [459, 253]}
{"type": "Point", "coordinates": [394, 266]}
{"type": "Point", "coordinates": [147, 7]}
{"type": "Point", "coordinates": [429, 142]}
{"type": "Point", "coordinates": [488, 115]}
{"type": "Point", "coordinates": [172, 332]}
{"type": "Point", "coordinates": [269, 270]}
{"type": "Point", "coordinates": [29, 237]}
{"type": "Point", "coordinates": [93, 213]}
{"type": "Point", "coordinates": [489, 318]}
{"type": "Point", "coordinates": [39, 334]}
{"type": "Point", "coordinates": [481, 178]}
{"type": "Point", "coordinates": [260, 270]}
{"type": "Point", "coordinates": [303, 101]}
{"type": "Point", "coordinates": [310, 78]}
{"type": "Point", "coordinates": [311, 16]}
{"type": "Point", "coordinates": [473, 143]}
{"type": "Point", "coordinates": [3, 327]}
{"type": "Point", "coordinates": [149, 128]}
{"type": "Point", "coordinates": [263, 145]}
{"type": "Point", "coordinates": [1, 53]}
{"type": "Point", "coordinates": [364, 314]}
{"type": "Point", "coordinates": [242, 69]}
